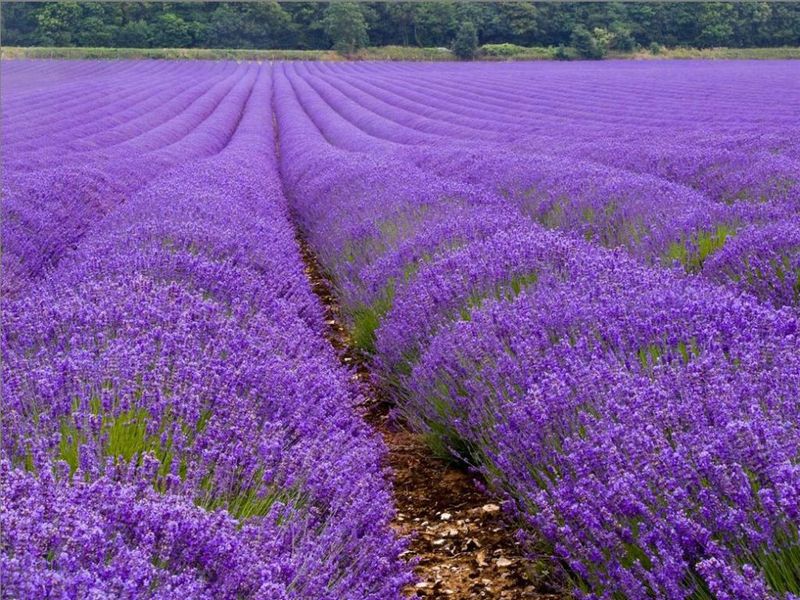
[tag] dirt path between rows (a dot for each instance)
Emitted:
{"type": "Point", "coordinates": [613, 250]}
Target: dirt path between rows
{"type": "Point", "coordinates": [463, 547]}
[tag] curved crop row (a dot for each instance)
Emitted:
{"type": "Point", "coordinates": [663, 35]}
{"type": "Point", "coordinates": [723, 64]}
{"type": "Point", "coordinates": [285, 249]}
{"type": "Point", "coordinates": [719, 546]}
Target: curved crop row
{"type": "Point", "coordinates": [48, 210]}
{"type": "Point", "coordinates": [645, 422]}
{"type": "Point", "coordinates": [175, 424]}
{"type": "Point", "coordinates": [677, 197]}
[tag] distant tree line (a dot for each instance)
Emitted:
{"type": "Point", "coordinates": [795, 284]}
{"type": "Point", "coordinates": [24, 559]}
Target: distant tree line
{"type": "Point", "coordinates": [592, 27]}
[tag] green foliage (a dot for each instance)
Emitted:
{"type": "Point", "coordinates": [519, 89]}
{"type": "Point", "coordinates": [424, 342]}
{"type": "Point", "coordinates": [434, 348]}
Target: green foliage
{"type": "Point", "coordinates": [694, 252]}
{"type": "Point", "coordinates": [253, 498]}
{"type": "Point", "coordinates": [440, 435]}
{"type": "Point", "coordinates": [445, 443]}
{"type": "Point", "coordinates": [132, 433]}
{"type": "Point", "coordinates": [502, 50]}
{"type": "Point", "coordinates": [514, 52]}
{"type": "Point", "coordinates": [563, 52]}
{"type": "Point", "coordinates": [304, 25]}
{"type": "Point", "coordinates": [465, 46]}
{"type": "Point", "coordinates": [434, 23]}
{"type": "Point", "coordinates": [135, 34]}
{"type": "Point", "coordinates": [170, 30]}
{"type": "Point", "coordinates": [658, 353]}
{"type": "Point", "coordinates": [345, 25]}
{"type": "Point", "coordinates": [604, 38]}
{"type": "Point", "coordinates": [622, 38]}
{"type": "Point", "coordinates": [588, 44]}
{"type": "Point", "coordinates": [367, 318]}
{"type": "Point", "coordinates": [126, 436]}
{"type": "Point", "coordinates": [59, 24]}
{"type": "Point", "coordinates": [505, 291]}
{"type": "Point", "coordinates": [781, 565]}
{"type": "Point", "coordinates": [404, 53]}
{"type": "Point", "coordinates": [716, 25]}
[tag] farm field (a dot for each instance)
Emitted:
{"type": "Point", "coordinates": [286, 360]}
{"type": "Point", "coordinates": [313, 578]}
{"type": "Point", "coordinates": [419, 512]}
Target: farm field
{"type": "Point", "coordinates": [579, 281]}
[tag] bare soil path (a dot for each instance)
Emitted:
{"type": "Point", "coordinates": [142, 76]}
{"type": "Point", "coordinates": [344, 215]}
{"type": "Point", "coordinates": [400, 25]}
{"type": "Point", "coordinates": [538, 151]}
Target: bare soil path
{"type": "Point", "coordinates": [463, 547]}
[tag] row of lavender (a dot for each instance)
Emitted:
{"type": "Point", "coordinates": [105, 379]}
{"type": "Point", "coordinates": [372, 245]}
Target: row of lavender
{"type": "Point", "coordinates": [644, 421]}
{"type": "Point", "coordinates": [722, 201]}
{"type": "Point", "coordinates": [175, 424]}
{"type": "Point", "coordinates": [73, 150]}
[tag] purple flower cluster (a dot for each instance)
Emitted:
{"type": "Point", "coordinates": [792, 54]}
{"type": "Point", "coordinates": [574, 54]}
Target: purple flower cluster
{"type": "Point", "coordinates": [502, 238]}
{"type": "Point", "coordinates": [174, 424]}
{"type": "Point", "coordinates": [510, 242]}
{"type": "Point", "coordinates": [107, 539]}
{"type": "Point", "coordinates": [88, 152]}
{"type": "Point", "coordinates": [763, 260]}
{"type": "Point", "coordinates": [644, 424]}
{"type": "Point", "coordinates": [621, 166]}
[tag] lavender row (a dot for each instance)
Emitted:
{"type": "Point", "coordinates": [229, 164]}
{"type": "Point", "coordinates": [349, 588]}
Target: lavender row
{"type": "Point", "coordinates": [643, 421]}
{"type": "Point", "coordinates": [98, 99]}
{"type": "Point", "coordinates": [566, 185]}
{"type": "Point", "coordinates": [138, 122]}
{"type": "Point", "coordinates": [646, 424]}
{"type": "Point", "coordinates": [175, 424]}
{"type": "Point", "coordinates": [541, 112]}
{"type": "Point", "coordinates": [101, 124]}
{"type": "Point", "coordinates": [548, 101]}
{"type": "Point", "coordinates": [654, 220]}
{"type": "Point", "coordinates": [48, 210]}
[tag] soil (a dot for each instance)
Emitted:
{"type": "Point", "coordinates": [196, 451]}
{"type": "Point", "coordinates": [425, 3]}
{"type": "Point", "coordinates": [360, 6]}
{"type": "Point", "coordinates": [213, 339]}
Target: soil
{"type": "Point", "coordinates": [463, 547]}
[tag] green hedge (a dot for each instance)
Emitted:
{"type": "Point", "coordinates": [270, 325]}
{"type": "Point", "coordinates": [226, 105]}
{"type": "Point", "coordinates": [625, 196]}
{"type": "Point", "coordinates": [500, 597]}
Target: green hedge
{"type": "Point", "coordinates": [488, 52]}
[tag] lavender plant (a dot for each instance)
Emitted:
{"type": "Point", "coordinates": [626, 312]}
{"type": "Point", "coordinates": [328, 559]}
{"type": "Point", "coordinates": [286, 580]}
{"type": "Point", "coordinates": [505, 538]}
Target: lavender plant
{"type": "Point", "coordinates": [557, 339]}
{"type": "Point", "coordinates": [579, 280]}
{"type": "Point", "coordinates": [175, 423]}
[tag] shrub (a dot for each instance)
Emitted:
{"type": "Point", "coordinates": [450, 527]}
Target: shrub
{"type": "Point", "coordinates": [623, 39]}
{"type": "Point", "coordinates": [502, 50]}
{"type": "Point", "coordinates": [563, 52]}
{"type": "Point", "coordinates": [346, 26]}
{"type": "Point", "coordinates": [586, 44]}
{"type": "Point", "coordinates": [465, 46]}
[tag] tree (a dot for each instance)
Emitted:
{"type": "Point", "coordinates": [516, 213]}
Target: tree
{"type": "Point", "coordinates": [314, 25]}
{"type": "Point", "coordinates": [716, 34]}
{"type": "Point", "coordinates": [225, 27]}
{"type": "Point", "coordinates": [249, 25]}
{"type": "Point", "coordinates": [586, 44]}
{"type": "Point", "coordinates": [346, 27]}
{"type": "Point", "coordinates": [435, 23]}
{"type": "Point", "coordinates": [622, 38]}
{"type": "Point", "coordinates": [465, 46]}
{"type": "Point", "coordinates": [94, 32]}
{"type": "Point", "coordinates": [309, 21]}
{"type": "Point", "coordinates": [268, 25]}
{"type": "Point", "coordinates": [513, 22]}
{"type": "Point", "coordinates": [562, 52]}
{"type": "Point", "coordinates": [402, 15]}
{"type": "Point", "coordinates": [58, 24]}
{"type": "Point", "coordinates": [170, 31]}
{"type": "Point", "coordinates": [716, 22]}
{"type": "Point", "coordinates": [134, 34]}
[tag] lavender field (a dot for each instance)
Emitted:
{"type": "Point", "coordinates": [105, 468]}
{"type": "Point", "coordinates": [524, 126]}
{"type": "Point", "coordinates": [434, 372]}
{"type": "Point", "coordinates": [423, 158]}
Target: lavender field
{"type": "Point", "coordinates": [579, 280]}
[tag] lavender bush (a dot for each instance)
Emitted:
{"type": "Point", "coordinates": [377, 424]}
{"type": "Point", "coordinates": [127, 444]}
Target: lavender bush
{"type": "Point", "coordinates": [642, 419]}
{"type": "Point", "coordinates": [668, 191]}
{"type": "Point", "coordinates": [175, 424]}
{"type": "Point", "coordinates": [579, 280]}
